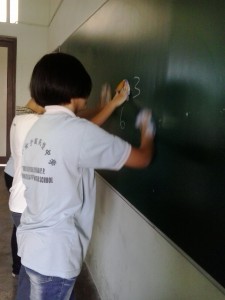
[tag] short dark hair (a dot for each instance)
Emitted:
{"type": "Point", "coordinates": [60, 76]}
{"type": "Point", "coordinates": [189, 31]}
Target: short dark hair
{"type": "Point", "coordinates": [57, 78]}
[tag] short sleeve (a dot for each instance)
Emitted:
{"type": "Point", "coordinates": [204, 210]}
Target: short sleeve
{"type": "Point", "coordinates": [101, 150]}
{"type": "Point", "coordinates": [9, 168]}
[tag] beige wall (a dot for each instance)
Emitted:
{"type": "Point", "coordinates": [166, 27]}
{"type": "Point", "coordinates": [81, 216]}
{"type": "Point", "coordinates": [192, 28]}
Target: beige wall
{"type": "Point", "coordinates": [130, 259]}
{"type": "Point", "coordinates": [31, 45]}
{"type": "Point", "coordinates": [71, 14]}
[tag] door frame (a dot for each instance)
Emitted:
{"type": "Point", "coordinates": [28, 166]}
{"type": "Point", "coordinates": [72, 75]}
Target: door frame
{"type": "Point", "coordinates": [11, 44]}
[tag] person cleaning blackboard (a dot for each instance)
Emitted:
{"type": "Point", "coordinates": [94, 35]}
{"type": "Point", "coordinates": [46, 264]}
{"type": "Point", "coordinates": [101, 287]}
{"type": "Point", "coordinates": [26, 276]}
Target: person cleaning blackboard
{"type": "Point", "coordinates": [25, 117]}
{"type": "Point", "coordinates": [60, 154]}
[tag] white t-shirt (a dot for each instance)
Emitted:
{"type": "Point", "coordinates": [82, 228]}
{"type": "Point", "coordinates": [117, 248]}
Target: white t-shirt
{"type": "Point", "coordinates": [20, 126]}
{"type": "Point", "coordinates": [20, 110]}
{"type": "Point", "coordinates": [60, 154]}
{"type": "Point", "coordinates": [9, 168]}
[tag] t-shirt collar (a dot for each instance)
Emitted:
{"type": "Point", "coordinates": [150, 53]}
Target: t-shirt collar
{"type": "Point", "coordinates": [54, 109]}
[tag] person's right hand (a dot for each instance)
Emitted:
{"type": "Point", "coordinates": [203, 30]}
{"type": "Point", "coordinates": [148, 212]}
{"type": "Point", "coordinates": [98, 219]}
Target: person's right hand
{"type": "Point", "coordinates": [122, 93]}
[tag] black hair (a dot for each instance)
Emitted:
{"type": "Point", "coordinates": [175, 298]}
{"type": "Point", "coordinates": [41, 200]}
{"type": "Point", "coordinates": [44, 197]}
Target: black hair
{"type": "Point", "coordinates": [57, 78]}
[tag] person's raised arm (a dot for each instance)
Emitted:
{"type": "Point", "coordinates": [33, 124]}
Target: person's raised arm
{"type": "Point", "coordinates": [122, 93]}
{"type": "Point", "coordinates": [142, 156]}
{"type": "Point", "coordinates": [107, 105]}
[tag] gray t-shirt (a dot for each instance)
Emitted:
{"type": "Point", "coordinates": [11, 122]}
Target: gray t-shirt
{"type": "Point", "coordinates": [60, 154]}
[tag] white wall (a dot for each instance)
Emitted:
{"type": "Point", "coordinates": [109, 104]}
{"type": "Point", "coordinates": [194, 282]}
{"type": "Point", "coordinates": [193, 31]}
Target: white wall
{"type": "Point", "coordinates": [71, 14]}
{"type": "Point", "coordinates": [31, 45]}
{"type": "Point", "coordinates": [128, 258]}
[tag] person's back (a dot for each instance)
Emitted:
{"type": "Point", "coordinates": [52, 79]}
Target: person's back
{"type": "Point", "coordinates": [61, 193]}
{"type": "Point", "coordinates": [60, 154]}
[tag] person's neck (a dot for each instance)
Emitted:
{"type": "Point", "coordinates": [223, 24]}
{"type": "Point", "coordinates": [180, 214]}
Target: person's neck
{"type": "Point", "coordinates": [75, 105]}
{"type": "Point", "coordinates": [31, 104]}
{"type": "Point", "coordinates": [70, 106]}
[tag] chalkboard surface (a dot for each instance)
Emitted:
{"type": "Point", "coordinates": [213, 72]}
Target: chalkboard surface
{"type": "Point", "coordinates": [173, 54]}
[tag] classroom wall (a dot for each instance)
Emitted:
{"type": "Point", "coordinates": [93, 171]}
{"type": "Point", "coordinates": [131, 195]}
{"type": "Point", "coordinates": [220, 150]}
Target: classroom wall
{"type": "Point", "coordinates": [128, 258]}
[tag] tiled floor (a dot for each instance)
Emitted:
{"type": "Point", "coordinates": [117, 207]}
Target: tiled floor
{"type": "Point", "coordinates": [85, 289]}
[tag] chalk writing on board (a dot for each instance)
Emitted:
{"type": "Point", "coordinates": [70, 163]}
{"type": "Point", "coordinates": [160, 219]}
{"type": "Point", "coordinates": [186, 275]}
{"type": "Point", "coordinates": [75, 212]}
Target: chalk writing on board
{"type": "Point", "coordinates": [135, 94]}
{"type": "Point", "coordinates": [122, 122]}
{"type": "Point", "coordinates": [137, 90]}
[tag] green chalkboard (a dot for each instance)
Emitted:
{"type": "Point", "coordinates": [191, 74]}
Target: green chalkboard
{"type": "Point", "coordinates": [173, 54]}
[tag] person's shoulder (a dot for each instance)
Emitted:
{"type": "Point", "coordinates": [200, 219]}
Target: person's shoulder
{"type": "Point", "coordinates": [81, 125]}
{"type": "Point", "coordinates": [87, 123]}
{"type": "Point", "coordinates": [19, 119]}
{"type": "Point", "coordinates": [77, 120]}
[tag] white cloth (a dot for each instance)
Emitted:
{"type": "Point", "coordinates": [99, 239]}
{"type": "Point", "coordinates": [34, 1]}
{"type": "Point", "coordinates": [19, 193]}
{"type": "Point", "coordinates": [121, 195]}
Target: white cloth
{"type": "Point", "coordinates": [61, 152]}
{"type": "Point", "coordinates": [20, 126]}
